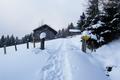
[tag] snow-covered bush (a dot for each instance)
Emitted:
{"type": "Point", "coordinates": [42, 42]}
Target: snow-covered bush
{"type": "Point", "coordinates": [99, 32]}
{"type": "Point", "coordinates": [103, 27]}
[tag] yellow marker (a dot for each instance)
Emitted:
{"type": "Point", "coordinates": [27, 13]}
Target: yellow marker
{"type": "Point", "coordinates": [85, 37]}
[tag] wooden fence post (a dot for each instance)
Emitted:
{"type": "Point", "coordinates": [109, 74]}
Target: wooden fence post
{"type": "Point", "coordinates": [27, 43]}
{"type": "Point", "coordinates": [33, 42]}
{"type": "Point", "coordinates": [15, 46]}
{"type": "Point", "coordinates": [4, 49]}
{"type": "Point", "coordinates": [84, 46]}
{"type": "Point", "coordinates": [43, 44]}
{"type": "Point", "coordinates": [42, 37]}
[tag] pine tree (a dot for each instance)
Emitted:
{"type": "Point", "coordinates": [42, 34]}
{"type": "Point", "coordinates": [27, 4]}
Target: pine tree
{"type": "Point", "coordinates": [17, 41]}
{"type": "Point", "coordinates": [113, 20]}
{"type": "Point", "coordinates": [105, 26]}
{"type": "Point", "coordinates": [63, 33]}
{"type": "Point", "coordinates": [30, 37]}
{"type": "Point", "coordinates": [58, 34]}
{"type": "Point", "coordinates": [7, 40]}
{"type": "Point", "coordinates": [93, 9]}
{"type": "Point", "coordinates": [81, 22]}
{"type": "Point", "coordinates": [2, 41]}
{"type": "Point", "coordinates": [71, 26]}
{"type": "Point", "coordinates": [12, 40]}
{"type": "Point", "coordinates": [91, 12]}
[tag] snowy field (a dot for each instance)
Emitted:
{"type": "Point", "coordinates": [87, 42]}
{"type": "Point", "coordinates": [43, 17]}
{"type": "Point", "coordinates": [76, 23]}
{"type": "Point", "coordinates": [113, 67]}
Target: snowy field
{"type": "Point", "coordinates": [61, 60]}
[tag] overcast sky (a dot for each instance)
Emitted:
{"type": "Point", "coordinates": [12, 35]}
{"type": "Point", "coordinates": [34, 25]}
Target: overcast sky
{"type": "Point", "coordinates": [20, 17]}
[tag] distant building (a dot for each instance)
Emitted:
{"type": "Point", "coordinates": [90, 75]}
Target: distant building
{"type": "Point", "coordinates": [50, 33]}
{"type": "Point", "coordinates": [74, 31]}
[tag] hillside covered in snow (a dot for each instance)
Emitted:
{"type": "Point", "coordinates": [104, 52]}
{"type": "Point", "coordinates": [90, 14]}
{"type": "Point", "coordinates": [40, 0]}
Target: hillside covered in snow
{"type": "Point", "coordinates": [62, 59]}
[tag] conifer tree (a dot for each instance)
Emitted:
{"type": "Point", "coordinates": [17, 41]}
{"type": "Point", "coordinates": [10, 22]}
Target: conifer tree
{"type": "Point", "coordinates": [81, 22]}
{"type": "Point", "coordinates": [2, 41]}
{"type": "Point", "coordinates": [105, 26]}
{"type": "Point", "coordinates": [7, 40]}
{"type": "Point", "coordinates": [91, 12]}
{"type": "Point", "coordinates": [93, 9]}
{"type": "Point", "coordinates": [12, 40]}
{"type": "Point", "coordinates": [113, 20]}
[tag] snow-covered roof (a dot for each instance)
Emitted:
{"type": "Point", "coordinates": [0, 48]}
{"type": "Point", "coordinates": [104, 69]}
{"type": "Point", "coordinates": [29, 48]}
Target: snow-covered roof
{"type": "Point", "coordinates": [74, 30]}
{"type": "Point", "coordinates": [45, 26]}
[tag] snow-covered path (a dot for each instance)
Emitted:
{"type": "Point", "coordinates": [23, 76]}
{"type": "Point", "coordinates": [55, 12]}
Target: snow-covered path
{"type": "Point", "coordinates": [69, 63]}
{"type": "Point", "coordinates": [62, 59]}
